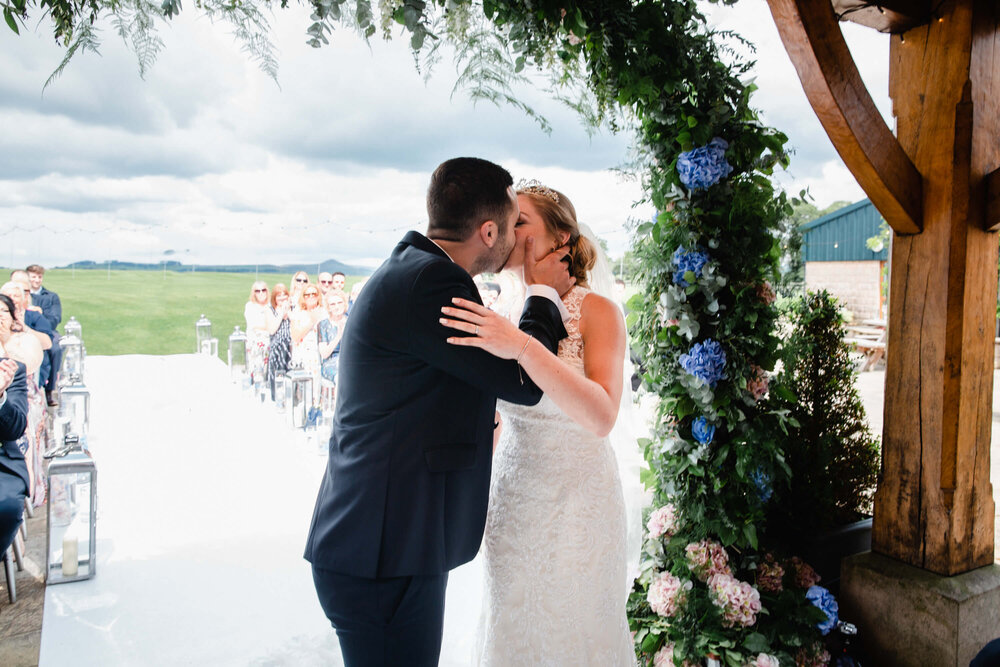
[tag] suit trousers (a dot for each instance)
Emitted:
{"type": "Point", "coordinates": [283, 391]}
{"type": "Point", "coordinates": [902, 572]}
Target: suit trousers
{"type": "Point", "coordinates": [384, 622]}
{"type": "Point", "coordinates": [12, 495]}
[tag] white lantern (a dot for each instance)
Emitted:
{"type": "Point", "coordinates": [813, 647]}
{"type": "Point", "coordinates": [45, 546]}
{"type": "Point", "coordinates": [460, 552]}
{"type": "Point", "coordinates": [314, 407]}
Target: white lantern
{"type": "Point", "coordinates": [237, 354]}
{"type": "Point", "coordinates": [202, 332]}
{"type": "Point", "coordinates": [73, 328]}
{"type": "Point", "coordinates": [71, 542]}
{"type": "Point", "coordinates": [72, 360]}
{"type": "Point", "coordinates": [298, 397]}
{"type": "Point", "coordinates": [74, 407]}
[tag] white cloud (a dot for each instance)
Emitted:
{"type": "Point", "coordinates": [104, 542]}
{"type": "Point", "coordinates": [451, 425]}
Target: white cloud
{"type": "Point", "coordinates": [208, 155]}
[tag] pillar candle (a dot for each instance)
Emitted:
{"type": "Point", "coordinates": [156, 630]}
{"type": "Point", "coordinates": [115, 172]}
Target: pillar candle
{"type": "Point", "coordinates": [70, 556]}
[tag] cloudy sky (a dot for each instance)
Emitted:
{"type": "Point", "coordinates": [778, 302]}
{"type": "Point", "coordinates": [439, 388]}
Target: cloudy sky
{"type": "Point", "coordinates": [209, 158]}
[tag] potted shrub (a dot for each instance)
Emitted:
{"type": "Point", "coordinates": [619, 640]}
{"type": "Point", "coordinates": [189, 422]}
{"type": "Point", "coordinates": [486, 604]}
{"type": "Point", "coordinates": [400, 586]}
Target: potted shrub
{"type": "Point", "coordinates": [823, 512]}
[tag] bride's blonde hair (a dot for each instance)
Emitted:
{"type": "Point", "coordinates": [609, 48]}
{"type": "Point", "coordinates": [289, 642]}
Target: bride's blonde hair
{"type": "Point", "coordinates": [559, 216]}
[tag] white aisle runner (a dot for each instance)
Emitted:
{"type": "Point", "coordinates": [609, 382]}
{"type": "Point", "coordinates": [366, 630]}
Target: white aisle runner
{"type": "Point", "coordinates": [205, 499]}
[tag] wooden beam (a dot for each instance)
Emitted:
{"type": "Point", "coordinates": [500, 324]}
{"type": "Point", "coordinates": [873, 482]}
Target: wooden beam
{"type": "Point", "coordinates": [812, 37]}
{"type": "Point", "coordinates": [934, 505]}
{"type": "Point", "coordinates": [892, 16]}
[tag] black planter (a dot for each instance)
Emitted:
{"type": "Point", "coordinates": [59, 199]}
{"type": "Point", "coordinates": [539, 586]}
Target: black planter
{"type": "Point", "coordinates": [825, 551]}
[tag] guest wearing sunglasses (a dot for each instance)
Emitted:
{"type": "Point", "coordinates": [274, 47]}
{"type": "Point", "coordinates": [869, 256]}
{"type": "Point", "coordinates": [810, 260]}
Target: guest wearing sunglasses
{"type": "Point", "coordinates": [299, 281]}
{"type": "Point", "coordinates": [325, 281]}
{"type": "Point", "coordinates": [305, 347]}
{"type": "Point", "coordinates": [256, 313]}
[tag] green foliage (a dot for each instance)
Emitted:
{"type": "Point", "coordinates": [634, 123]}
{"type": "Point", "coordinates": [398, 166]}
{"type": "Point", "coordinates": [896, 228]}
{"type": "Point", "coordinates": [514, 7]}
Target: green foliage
{"type": "Point", "coordinates": [152, 312]}
{"type": "Point", "coordinates": [833, 453]}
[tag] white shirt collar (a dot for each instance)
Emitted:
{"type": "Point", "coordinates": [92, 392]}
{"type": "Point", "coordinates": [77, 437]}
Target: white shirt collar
{"type": "Point", "coordinates": [442, 249]}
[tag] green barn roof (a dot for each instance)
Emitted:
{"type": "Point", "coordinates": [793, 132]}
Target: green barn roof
{"type": "Point", "coordinates": [840, 236]}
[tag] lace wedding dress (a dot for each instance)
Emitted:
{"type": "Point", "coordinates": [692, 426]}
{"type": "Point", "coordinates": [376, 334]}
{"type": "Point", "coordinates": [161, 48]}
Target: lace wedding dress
{"type": "Point", "coordinates": [554, 548]}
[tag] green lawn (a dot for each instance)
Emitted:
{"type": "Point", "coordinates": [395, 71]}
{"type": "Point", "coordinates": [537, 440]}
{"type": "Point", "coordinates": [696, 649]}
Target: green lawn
{"type": "Point", "coordinates": [149, 312]}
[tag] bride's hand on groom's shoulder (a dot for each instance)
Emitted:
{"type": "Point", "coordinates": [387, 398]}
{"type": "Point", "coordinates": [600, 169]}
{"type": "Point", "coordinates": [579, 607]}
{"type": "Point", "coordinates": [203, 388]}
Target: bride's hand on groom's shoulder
{"type": "Point", "coordinates": [551, 270]}
{"type": "Point", "coordinates": [486, 329]}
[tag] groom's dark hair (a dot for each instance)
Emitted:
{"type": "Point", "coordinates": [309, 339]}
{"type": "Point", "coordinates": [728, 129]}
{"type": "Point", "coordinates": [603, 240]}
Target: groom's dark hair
{"type": "Point", "coordinates": [464, 193]}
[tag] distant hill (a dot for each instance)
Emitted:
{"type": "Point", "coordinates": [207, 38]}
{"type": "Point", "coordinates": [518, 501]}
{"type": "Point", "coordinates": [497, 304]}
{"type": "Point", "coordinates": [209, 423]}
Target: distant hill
{"type": "Point", "coordinates": [330, 265]}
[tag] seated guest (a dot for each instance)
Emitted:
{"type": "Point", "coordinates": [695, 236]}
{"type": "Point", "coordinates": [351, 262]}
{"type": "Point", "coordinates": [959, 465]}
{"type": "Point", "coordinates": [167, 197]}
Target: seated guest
{"type": "Point", "coordinates": [279, 349]}
{"type": "Point", "coordinates": [258, 333]}
{"type": "Point", "coordinates": [19, 296]}
{"type": "Point", "coordinates": [47, 300]}
{"type": "Point", "coordinates": [23, 347]}
{"type": "Point", "coordinates": [36, 320]}
{"type": "Point", "coordinates": [13, 421]}
{"type": "Point", "coordinates": [330, 331]}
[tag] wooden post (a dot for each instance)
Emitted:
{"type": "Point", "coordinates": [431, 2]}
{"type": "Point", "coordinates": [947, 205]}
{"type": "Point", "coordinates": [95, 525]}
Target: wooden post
{"type": "Point", "coordinates": [934, 506]}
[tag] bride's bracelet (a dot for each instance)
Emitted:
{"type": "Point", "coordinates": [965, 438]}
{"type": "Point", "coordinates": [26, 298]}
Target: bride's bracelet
{"type": "Point", "coordinates": [521, 354]}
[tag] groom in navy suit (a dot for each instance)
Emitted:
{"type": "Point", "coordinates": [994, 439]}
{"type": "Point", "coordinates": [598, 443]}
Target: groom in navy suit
{"type": "Point", "coordinates": [404, 497]}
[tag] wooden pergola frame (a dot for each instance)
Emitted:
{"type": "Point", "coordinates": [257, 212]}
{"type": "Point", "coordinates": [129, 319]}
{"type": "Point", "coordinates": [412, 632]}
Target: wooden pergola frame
{"type": "Point", "coordinates": [936, 182]}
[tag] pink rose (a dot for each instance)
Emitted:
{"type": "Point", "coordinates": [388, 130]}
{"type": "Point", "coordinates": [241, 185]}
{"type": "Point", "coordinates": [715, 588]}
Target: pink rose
{"type": "Point", "coordinates": [662, 522]}
{"type": "Point", "coordinates": [666, 594]}
{"type": "Point", "coordinates": [707, 558]}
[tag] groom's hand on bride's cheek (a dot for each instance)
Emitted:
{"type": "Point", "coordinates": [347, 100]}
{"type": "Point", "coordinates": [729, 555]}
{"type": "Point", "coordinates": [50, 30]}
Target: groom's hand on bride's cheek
{"type": "Point", "coordinates": [551, 270]}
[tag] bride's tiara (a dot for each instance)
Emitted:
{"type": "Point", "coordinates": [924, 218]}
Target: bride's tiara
{"type": "Point", "coordinates": [533, 187]}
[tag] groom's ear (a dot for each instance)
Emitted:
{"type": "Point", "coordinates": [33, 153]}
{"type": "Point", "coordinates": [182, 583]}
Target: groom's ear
{"type": "Point", "coordinates": [488, 232]}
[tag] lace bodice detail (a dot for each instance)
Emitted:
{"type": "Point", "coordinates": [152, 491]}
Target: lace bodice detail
{"type": "Point", "coordinates": [554, 549]}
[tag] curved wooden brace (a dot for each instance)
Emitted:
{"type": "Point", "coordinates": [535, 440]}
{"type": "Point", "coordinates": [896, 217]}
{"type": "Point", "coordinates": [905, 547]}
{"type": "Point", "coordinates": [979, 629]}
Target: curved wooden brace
{"type": "Point", "coordinates": [830, 78]}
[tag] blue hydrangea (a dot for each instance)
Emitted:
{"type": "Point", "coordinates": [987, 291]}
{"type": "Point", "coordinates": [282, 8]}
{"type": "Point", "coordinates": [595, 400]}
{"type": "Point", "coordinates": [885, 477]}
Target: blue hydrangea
{"type": "Point", "coordinates": [693, 260]}
{"type": "Point", "coordinates": [824, 599]}
{"type": "Point", "coordinates": [762, 481]}
{"type": "Point", "coordinates": [702, 431]}
{"type": "Point", "coordinates": [706, 361]}
{"type": "Point", "coordinates": [703, 167]}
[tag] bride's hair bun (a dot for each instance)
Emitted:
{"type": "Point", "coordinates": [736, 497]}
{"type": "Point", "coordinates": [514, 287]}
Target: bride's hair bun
{"type": "Point", "coordinates": [559, 216]}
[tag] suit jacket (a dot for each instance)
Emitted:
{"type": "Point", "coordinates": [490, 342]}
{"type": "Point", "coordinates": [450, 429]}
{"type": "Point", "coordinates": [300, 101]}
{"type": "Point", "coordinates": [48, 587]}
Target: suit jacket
{"type": "Point", "coordinates": [13, 421]}
{"type": "Point", "coordinates": [51, 307]}
{"type": "Point", "coordinates": [407, 480]}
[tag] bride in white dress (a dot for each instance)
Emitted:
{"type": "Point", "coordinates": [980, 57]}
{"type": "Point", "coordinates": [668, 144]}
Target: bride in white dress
{"type": "Point", "coordinates": [554, 548]}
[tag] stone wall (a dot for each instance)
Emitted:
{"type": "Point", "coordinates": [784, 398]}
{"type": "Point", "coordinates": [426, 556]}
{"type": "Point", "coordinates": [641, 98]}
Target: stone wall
{"type": "Point", "coordinates": [855, 284]}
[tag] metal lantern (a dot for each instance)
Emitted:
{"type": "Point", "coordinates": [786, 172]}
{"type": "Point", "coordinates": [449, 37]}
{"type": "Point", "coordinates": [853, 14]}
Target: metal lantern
{"type": "Point", "coordinates": [74, 407]}
{"type": "Point", "coordinates": [298, 397]}
{"type": "Point", "coordinates": [280, 380]}
{"type": "Point", "coordinates": [237, 354]}
{"type": "Point", "coordinates": [73, 328]}
{"type": "Point", "coordinates": [72, 361]}
{"type": "Point", "coordinates": [203, 332]}
{"type": "Point", "coordinates": [71, 542]}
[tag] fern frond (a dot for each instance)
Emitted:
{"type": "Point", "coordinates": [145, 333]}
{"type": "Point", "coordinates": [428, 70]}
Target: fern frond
{"type": "Point", "coordinates": [250, 27]}
{"type": "Point", "coordinates": [134, 21]}
{"type": "Point", "coordinates": [85, 38]}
